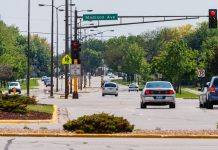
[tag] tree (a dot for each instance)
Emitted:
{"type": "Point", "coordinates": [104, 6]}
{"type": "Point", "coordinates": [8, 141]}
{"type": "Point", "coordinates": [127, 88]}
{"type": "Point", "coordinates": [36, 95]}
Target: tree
{"type": "Point", "coordinates": [209, 56]}
{"type": "Point", "coordinates": [90, 59]}
{"type": "Point", "coordinates": [176, 61]}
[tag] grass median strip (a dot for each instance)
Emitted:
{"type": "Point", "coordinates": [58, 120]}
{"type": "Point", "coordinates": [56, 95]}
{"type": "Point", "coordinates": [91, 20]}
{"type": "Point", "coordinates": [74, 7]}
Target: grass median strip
{"type": "Point", "coordinates": [186, 95]}
{"type": "Point", "coordinates": [41, 108]}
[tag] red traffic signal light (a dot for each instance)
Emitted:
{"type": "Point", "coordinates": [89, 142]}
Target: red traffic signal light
{"type": "Point", "coordinates": [212, 13]}
{"type": "Point", "coordinates": [212, 18]}
{"type": "Point", "coordinates": [75, 51]}
{"type": "Point", "coordinates": [75, 44]}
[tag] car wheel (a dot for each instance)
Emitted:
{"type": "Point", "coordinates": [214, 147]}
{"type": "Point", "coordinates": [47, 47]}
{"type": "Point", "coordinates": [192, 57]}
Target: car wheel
{"type": "Point", "coordinates": [172, 105]}
{"type": "Point", "coordinates": [129, 90]}
{"type": "Point", "coordinates": [143, 105]}
{"type": "Point", "coordinates": [102, 94]}
{"type": "Point", "coordinates": [200, 105]}
{"type": "Point", "coordinates": [116, 94]}
{"type": "Point", "coordinates": [209, 105]}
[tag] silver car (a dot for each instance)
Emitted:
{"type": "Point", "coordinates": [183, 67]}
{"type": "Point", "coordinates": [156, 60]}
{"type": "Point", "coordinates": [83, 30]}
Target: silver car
{"type": "Point", "coordinates": [133, 87]}
{"type": "Point", "coordinates": [110, 88]}
{"type": "Point", "coordinates": [158, 93]}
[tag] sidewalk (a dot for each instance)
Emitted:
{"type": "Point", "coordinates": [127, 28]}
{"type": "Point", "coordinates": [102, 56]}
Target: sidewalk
{"type": "Point", "coordinates": [192, 91]}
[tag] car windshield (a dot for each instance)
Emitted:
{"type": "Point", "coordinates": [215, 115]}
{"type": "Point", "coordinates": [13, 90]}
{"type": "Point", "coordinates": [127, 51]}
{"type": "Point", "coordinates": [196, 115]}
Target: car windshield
{"type": "Point", "coordinates": [110, 85]}
{"type": "Point", "coordinates": [215, 82]}
{"type": "Point", "coordinates": [133, 85]}
{"type": "Point", "coordinates": [13, 84]}
{"type": "Point", "coordinates": [158, 85]}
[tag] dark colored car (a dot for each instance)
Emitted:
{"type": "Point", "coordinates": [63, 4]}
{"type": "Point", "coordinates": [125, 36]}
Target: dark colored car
{"type": "Point", "coordinates": [209, 96]}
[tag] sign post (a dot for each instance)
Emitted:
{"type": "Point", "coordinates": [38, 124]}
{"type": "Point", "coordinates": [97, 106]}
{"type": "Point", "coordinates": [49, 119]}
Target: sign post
{"type": "Point", "coordinates": [201, 74]}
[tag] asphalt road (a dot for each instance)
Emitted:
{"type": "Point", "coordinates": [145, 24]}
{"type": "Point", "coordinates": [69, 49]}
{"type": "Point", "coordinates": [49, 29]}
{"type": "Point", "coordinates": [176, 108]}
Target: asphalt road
{"type": "Point", "coordinates": [186, 116]}
{"type": "Point", "coordinates": [44, 143]}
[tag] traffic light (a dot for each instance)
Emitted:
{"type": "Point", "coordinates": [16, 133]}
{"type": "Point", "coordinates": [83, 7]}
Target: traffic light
{"type": "Point", "coordinates": [212, 18]}
{"type": "Point", "coordinates": [76, 48]}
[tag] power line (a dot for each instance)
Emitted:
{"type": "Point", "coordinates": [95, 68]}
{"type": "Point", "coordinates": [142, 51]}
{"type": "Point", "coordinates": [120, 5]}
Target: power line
{"type": "Point", "coordinates": [47, 33]}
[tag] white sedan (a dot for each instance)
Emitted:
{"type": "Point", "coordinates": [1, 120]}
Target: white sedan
{"type": "Point", "coordinates": [158, 93]}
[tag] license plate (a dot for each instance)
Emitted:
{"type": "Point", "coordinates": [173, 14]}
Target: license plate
{"type": "Point", "coordinates": [159, 97]}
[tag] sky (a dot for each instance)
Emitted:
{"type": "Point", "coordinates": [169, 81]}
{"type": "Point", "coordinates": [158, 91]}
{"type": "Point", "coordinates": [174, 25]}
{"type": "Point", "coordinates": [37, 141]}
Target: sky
{"type": "Point", "coordinates": [14, 12]}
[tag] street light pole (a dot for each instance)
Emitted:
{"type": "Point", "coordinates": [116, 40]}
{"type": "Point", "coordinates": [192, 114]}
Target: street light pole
{"type": "Point", "coordinates": [66, 49]}
{"type": "Point", "coordinates": [71, 37]}
{"type": "Point", "coordinates": [57, 74]}
{"type": "Point", "coordinates": [52, 60]}
{"type": "Point", "coordinates": [28, 53]}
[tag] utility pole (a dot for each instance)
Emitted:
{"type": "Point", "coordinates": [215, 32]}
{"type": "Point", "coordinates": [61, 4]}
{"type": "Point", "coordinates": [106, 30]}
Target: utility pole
{"type": "Point", "coordinates": [28, 52]}
{"type": "Point", "coordinates": [52, 35]}
{"type": "Point", "coordinates": [71, 37]}
{"type": "Point", "coordinates": [66, 49]}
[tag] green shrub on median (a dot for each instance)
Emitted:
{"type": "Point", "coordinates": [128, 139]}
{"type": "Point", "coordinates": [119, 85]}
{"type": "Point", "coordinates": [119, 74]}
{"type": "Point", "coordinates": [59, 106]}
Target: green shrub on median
{"type": "Point", "coordinates": [15, 103]}
{"type": "Point", "coordinates": [21, 98]}
{"type": "Point", "coordinates": [99, 123]}
{"type": "Point", "coordinates": [13, 106]}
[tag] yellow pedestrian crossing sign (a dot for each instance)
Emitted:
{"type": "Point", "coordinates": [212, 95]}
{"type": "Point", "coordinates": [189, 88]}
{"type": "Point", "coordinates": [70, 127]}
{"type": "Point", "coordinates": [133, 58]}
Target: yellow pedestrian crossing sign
{"type": "Point", "coordinates": [66, 60]}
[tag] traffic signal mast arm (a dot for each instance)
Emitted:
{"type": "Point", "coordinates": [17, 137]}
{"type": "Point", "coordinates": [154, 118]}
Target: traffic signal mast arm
{"type": "Point", "coordinates": [164, 18]}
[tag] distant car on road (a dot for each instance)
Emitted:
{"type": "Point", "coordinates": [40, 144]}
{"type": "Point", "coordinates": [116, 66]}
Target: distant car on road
{"type": "Point", "coordinates": [43, 78]}
{"type": "Point", "coordinates": [133, 87]}
{"type": "Point", "coordinates": [209, 97]}
{"type": "Point", "coordinates": [48, 83]}
{"type": "Point", "coordinates": [47, 80]}
{"type": "Point", "coordinates": [158, 93]}
{"type": "Point", "coordinates": [15, 85]}
{"type": "Point", "coordinates": [110, 88]}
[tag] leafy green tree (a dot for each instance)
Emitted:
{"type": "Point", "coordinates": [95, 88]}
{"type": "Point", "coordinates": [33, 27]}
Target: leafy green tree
{"type": "Point", "coordinates": [209, 56]}
{"type": "Point", "coordinates": [176, 61]}
{"type": "Point", "coordinates": [91, 59]}
{"type": "Point", "coordinates": [114, 56]}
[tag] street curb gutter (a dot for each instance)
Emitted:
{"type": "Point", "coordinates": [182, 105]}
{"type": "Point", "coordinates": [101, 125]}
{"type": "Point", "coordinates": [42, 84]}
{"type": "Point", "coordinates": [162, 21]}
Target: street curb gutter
{"type": "Point", "coordinates": [109, 135]}
{"type": "Point", "coordinates": [53, 120]}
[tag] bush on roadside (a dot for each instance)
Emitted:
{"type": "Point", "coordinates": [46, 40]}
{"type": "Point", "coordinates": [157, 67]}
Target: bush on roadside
{"type": "Point", "coordinates": [21, 98]}
{"type": "Point", "coordinates": [13, 106]}
{"type": "Point", "coordinates": [15, 103]}
{"type": "Point", "coordinates": [99, 123]}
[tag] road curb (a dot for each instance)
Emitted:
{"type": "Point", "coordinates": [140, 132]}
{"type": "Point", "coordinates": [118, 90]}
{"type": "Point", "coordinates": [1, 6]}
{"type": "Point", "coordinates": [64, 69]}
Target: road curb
{"type": "Point", "coordinates": [53, 120]}
{"type": "Point", "coordinates": [109, 135]}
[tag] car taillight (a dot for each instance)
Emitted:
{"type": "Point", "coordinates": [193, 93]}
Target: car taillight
{"type": "Point", "coordinates": [147, 92]}
{"type": "Point", "coordinates": [212, 89]}
{"type": "Point", "coordinates": [171, 92]}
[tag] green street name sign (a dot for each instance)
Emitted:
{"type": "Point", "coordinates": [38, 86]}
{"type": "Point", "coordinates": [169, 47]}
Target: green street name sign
{"type": "Point", "coordinates": [88, 17]}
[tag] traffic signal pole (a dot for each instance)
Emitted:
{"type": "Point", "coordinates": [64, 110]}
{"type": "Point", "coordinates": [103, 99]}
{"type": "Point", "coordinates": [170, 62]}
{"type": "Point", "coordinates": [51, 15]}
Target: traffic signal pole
{"type": "Point", "coordinates": [75, 61]}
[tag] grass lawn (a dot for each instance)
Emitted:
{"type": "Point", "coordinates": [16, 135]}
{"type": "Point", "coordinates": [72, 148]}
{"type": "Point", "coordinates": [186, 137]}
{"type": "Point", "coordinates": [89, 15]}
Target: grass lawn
{"type": "Point", "coordinates": [120, 81]}
{"type": "Point", "coordinates": [187, 95]}
{"type": "Point", "coordinates": [41, 108]}
{"type": "Point", "coordinates": [33, 84]}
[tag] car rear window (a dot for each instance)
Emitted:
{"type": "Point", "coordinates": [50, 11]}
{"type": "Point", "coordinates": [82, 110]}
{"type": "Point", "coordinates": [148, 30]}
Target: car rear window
{"type": "Point", "coordinates": [13, 84]}
{"type": "Point", "coordinates": [158, 85]}
{"type": "Point", "coordinates": [215, 82]}
{"type": "Point", "coordinates": [110, 85]}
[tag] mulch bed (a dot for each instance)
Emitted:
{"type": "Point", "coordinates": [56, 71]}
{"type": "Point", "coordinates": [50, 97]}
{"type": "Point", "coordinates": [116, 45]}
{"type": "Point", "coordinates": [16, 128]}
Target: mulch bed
{"type": "Point", "coordinates": [31, 115]}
